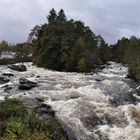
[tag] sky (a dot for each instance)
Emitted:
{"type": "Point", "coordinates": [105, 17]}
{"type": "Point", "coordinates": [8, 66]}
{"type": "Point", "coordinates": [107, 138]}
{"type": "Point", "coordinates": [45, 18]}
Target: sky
{"type": "Point", "coordinates": [112, 19]}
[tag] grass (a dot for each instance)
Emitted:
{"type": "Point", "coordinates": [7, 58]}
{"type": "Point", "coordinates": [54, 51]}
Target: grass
{"type": "Point", "coordinates": [17, 124]}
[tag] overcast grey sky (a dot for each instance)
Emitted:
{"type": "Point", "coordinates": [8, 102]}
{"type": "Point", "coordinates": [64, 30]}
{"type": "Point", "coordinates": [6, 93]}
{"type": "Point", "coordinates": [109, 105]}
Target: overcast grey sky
{"type": "Point", "coordinates": [110, 18]}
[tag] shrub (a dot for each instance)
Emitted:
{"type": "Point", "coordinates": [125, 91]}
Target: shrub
{"type": "Point", "coordinates": [17, 123]}
{"type": "Point", "coordinates": [13, 108]}
{"type": "Point", "coordinates": [134, 72]}
{"type": "Point", "coordinates": [81, 65]}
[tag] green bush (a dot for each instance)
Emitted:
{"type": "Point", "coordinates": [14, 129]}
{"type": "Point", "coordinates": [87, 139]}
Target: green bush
{"type": "Point", "coordinates": [81, 65]}
{"type": "Point", "coordinates": [99, 62]}
{"type": "Point", "coordinates": [6, 61]}
{"type": "Point", "coordinates": [134, 72]}
{"type": "Point", "coordinates": [16, 123]}
{"type": "Point", "coordinates": [13, 108]}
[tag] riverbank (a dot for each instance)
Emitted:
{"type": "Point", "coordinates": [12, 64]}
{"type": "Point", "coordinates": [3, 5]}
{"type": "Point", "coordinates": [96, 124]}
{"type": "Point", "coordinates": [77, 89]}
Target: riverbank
{"type": "Point", "coordinates": [17, 121]}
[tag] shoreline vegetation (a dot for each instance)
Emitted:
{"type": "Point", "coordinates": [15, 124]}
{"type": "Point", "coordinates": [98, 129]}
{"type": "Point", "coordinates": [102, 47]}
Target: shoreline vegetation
{"type": "Point", "coordinates": [11, 54]}
{"type": "Point", "coordinates": [127, 51]}
{"type": "Point", "coordinates": [18, 122]}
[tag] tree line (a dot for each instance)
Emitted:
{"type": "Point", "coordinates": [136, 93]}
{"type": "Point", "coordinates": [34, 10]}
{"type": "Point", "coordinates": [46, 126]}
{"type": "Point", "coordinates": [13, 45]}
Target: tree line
{"type": "Point", "coordinates": [127, 51]}
{"type": "Point", "coordinates": [10, 53]}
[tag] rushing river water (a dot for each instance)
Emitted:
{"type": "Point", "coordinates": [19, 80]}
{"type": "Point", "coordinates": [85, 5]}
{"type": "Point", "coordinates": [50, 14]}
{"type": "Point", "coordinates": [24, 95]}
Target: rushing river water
{"type": "Point", "coordinates": [99, 106]}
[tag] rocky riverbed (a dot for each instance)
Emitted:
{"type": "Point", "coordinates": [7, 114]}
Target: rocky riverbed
{"type": "Point", "coordinates": [101, 106]}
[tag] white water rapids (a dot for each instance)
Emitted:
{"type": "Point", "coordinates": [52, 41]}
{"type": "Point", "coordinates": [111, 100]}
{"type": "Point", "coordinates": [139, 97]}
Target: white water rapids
{"type": "Point", "coordinates": [92, 106]}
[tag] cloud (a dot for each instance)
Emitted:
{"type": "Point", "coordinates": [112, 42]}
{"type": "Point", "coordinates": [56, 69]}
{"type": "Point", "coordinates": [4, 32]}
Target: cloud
{"type": "Point", "coordinates": [110, 18]}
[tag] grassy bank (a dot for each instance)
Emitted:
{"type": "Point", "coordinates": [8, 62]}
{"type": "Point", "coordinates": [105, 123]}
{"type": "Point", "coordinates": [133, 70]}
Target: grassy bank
{"type": "Point", "coordinates": [16, 123]}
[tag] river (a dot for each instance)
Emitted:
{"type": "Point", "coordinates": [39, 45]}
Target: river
{"type": "Point", "coordinates": [95, 106]}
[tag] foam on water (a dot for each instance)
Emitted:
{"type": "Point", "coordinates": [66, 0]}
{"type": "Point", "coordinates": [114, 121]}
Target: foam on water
{"type": "Point", "coordinates": [83, 101]}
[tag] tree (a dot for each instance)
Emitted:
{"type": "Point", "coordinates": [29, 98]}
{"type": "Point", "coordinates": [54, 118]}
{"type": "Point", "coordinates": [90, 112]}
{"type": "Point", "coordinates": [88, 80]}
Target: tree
{"type": "Point", "coordinates": [104, 50]}
{"type": "Point", "coordinates": [33, 34]}
{"type": "Point", "coordinates": [23, 52]}
{"type": "Point", "coordinates": [4, 47]}
{"type": "Point", "coordinates": [61, 16]}
{"type": "Point", "coordinates": [52, 16]}
{"type": "Point", "coordinates": [127, 51]}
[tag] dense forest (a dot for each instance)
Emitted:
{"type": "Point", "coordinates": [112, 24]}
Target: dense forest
{"type": "Point", "coordinates": [127, 51]}
{"type": "Point", "coordinates": [67, 45]}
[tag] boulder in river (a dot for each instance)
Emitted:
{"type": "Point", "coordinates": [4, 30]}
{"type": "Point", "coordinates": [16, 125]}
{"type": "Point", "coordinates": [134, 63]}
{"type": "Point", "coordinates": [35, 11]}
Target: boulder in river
{"type": "Point", "coordinates": [18, 67]}
{"type": "Point", "coordinates": [46, 112]}
{"type": "Point", "coordinates": [24, 87]}
{"type": "Point", "coordinates": [123, 98]}
{"type": "Point", "coordinates": [42, 109]}
{"type": "Point", "coordinates": [3, 80]}
{"type": "Point", "coordinates": [39, 99]}
{"type": "Point", "coordinates": [91, 122]}
{"type": "Point", "coordinates": [7, 88]}
{"type": "Point", "coordinates": [98, 80]}
{"type": "Point", "coordinates": [25, 84]}
{"type": "Point", "coordinates": [8, 74]}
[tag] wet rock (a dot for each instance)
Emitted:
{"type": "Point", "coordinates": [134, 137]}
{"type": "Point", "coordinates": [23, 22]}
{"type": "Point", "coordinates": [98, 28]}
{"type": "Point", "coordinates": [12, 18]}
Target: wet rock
{"type": "Point", "coordinates": [111, 120]}
{"type": "Point", "coordinates": [29, 102]}
{"type": "Point", "coordinates": [128, 76]}
{"type": "Point", "coordinates": [46, 106]}
{"type": "Point", "coordinates": [92, 73]}
{"type": "Point", "coordinates": [26, 81]}
{"type": "Point", "coordinates": [91, 122]}
{"type": "Point", "coordinates": [25, 84]}
{"type": "Point", "coordinates": [138, 88]}
{"type": "Point", "coordinates": [8, 74]}
{"type": "Point", "coordinates": [3, 80]}
{"type": "Point", "coordinates": [108, 64]}
{"type": "Point", "coordinates": [98, 80]}
{"type": "Point", "coordinates": [102, 67]}
{"type": "Point", "coordinates": [40, 108]}
{"type": "Point", "coordinates": [39, 99]}
{"type": "Point", "coordinates": [100, 135]}
{"type": "Point", "coordinates": [136, 94]}
{"type": "Point", "coordinates": [19, 68]}
{"type": "Point", "coordinates": [24, 87]}
{"type": "Point", "coordinates": [137, 91]}
{"type": "Point", "coordinates": [74, 96]}
{"type": "Point", "coordinates": [122, 99]}
{"type": "Point", "coordinates": [45, 110]}
{"type": "Point", "coordinates": [7, 88]}
{"type": "Point", "coordinates": [107, 119]}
